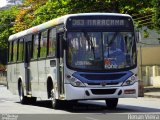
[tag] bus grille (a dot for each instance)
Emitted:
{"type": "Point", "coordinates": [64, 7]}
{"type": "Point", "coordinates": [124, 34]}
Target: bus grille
{"type": "Point", "coordinates": [115, 83]}
{"type": "Point", "coordinates": [103, 91]}
{"type": "Point", "coordinates": [103, 76]}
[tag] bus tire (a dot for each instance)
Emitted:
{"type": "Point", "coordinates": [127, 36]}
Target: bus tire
{"type": "Point", "coordinates": [32, 100]}
{"type": "Point", "coordinates": [111, 103]}
{"type": "Point", "coordinates": [54, 101]}
{"type": "Point", "coordinates": [72, 102]}
{"type": "Point", "coordinates": [23, 99]}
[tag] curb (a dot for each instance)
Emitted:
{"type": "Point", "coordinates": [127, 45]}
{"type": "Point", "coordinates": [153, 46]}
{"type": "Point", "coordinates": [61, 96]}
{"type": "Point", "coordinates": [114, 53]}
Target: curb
{"type": "Point", "coordinates": [3, 83]}
{"type": "Point", "coordinates": [151, 96]}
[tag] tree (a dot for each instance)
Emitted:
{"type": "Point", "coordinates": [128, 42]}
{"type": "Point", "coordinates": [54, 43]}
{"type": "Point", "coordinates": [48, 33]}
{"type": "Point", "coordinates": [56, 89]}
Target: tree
{"type": "Point", "coordinates": [26, 14]}
{"type": "Point", "coordinates": [142, 11]}
{"type": "Point", "coordinates": [50, 11]}
{"type": "Point", "coordinates": [39, 11]}
{"type": "Point", "coordinates": [7, 17]}
{"type": "Point", "coordinates": [157, 14]}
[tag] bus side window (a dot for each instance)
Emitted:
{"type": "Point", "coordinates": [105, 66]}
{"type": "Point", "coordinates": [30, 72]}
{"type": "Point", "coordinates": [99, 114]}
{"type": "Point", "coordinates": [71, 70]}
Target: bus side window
{"type": "Point", "coordinates": [10, 55]}
{"type": "Point", "coordinates": [15, 46]}
{"type": "Point", "coordinates": [52, 42]}
{"type": "Point", "coordinates": [32, 46]}
{"type": "Point", "coordinates": [43, 44]}
{"type": "Point", "coordinates": [35, 46]}
{"type": "Point", "coordinates": [20, 50]}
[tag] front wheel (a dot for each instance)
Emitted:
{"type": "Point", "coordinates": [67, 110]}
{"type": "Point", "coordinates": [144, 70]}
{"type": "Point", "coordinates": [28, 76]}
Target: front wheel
{"type": "Point", "coordinates": [54, 101]}
{"type": "Point", "coordinates": [111, 103]}
{"type": "Point", "coordinates": [23, 99]}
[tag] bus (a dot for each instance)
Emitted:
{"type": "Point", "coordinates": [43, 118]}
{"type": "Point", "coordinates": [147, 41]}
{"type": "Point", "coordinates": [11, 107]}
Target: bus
{"type": "Point", "coordinates": [85, 56]}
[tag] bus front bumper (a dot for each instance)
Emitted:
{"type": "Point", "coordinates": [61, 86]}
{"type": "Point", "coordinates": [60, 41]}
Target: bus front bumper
{"type": "Point", "coordinates": [97, 93]}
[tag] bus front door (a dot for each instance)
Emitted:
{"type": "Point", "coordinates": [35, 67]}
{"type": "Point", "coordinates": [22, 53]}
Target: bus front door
{"type": "Point", "coordinates": [60, 63]}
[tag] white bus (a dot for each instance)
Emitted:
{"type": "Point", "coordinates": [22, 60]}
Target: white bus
{"type": "Point", "coordinates": [88, 56]}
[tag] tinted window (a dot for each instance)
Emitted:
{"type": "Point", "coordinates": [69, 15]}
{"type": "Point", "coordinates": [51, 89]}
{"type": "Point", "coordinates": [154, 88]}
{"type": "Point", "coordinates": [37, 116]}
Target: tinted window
{"type": "Point", "coordinates": [15, 46]}
{"type": "Point", "coordinates": [43, 44]}
{"type": "Point", "coordinates": [35, 46]}
{"type": "Point", "coordinates": [10, 56]}
{"type": "Point", "coordinates": [52, 42]}
{"type": "Point", "coordinates": [20, 50]}
{"type": "Point", "coordinates": [101, 50]}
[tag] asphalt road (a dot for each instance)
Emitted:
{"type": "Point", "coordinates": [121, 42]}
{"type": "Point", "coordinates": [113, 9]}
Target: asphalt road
{"type": "Point", "coordinates": [85, 110]}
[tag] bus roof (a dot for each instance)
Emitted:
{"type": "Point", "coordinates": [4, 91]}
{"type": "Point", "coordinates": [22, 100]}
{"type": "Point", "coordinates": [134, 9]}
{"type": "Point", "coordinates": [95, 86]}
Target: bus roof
{"type": "Point", "coordinates": [57, 21]}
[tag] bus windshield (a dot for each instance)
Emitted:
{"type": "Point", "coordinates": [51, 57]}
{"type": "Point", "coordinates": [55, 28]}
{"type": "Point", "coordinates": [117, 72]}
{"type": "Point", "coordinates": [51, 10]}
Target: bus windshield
{"type": "Point", "coordinates": [101, 50]}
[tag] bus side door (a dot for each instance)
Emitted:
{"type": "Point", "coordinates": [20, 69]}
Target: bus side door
{"type": "Point", "coordinates": [60, 62]}
{"type": "Point", "coordinates": [27, 58]}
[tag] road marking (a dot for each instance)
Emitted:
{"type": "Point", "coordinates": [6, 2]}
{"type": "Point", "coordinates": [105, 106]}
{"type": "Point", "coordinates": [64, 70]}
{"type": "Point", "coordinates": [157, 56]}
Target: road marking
{"type": "Point", "coordinates": [90, 118]}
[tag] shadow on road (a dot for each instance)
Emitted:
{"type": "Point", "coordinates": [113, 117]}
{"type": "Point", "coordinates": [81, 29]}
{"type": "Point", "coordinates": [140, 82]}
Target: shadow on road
{"type": "Point", "coordinates": [96, 107]}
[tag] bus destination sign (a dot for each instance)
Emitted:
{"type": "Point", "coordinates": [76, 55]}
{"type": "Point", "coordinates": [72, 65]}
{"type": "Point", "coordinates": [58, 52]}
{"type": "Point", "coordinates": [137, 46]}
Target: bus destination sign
{"type": "Point", "coordinates": [107, 23]}
{"type": "Point", "coordinates": [79, 22]}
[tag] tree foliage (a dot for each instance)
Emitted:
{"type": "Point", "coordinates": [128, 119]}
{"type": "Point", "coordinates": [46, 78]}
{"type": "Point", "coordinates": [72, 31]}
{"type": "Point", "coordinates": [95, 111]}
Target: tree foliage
{"type": "Point", "coordinates": [7, 17]}
{"type": "Point", "coordinates": [26, 14]}
{"type": "Point", "coordinates": [34, 12]}
{"type": "Point", "coordinates": [49, 11]}
{"type": "Point", "coordinates": [39, 11]}
{"type": "Point", "coordinates": [157, 14]}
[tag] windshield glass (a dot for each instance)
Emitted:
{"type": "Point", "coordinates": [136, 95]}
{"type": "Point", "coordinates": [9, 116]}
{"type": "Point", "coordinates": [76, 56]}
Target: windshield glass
{"type": "Point", "coordinates": [101, 50]}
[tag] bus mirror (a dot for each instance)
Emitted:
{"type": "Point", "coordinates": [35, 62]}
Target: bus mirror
{"type": "Point", "coordinates": [138, 36]}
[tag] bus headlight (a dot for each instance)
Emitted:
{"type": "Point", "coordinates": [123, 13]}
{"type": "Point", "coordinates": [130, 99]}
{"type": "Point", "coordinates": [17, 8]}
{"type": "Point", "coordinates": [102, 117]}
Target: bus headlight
{"type": "Point", "coordinates": [130, 81]}
{"type": "Point", "coordinates": [75, 82]}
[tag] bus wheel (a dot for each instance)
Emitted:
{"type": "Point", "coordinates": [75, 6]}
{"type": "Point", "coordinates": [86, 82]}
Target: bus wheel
{"type": "Point", "coordinates": [23, 99]}
{"type": "Point", "coordinates": [55, 102]}
{"type": "Point", "coordinates": [111, 103]}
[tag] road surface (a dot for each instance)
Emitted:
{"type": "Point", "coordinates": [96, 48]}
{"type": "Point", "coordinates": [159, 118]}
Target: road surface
{"type": "Point", "coordinates": [9, 104]}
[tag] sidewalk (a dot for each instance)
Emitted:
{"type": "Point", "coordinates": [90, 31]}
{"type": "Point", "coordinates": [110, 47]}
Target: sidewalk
{"type": "Point", "coordinates": [3, 81]}
{"type": "Point", "coordinates": [153, 92]}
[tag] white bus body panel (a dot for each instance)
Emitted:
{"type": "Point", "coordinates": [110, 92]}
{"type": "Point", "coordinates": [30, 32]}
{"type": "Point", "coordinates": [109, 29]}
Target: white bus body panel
{"type": "Point", "coordinates": [34, 78]}
{"type": "Point", "coordinates": [40, 71]}
{"type": "Point", "coordinates": [14, 73]}
{"type": "Point", "coordinates": [79, 92]}
{"type": "Point", "coordinates": [73, 93]}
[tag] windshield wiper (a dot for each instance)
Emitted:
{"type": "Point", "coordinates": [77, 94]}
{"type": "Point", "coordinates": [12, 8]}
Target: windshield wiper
{"type": "Point", "coordinates": [113, 38]}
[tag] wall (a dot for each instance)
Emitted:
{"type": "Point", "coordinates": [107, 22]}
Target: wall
{"type": "Point", "coordinates": [149, 65]}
